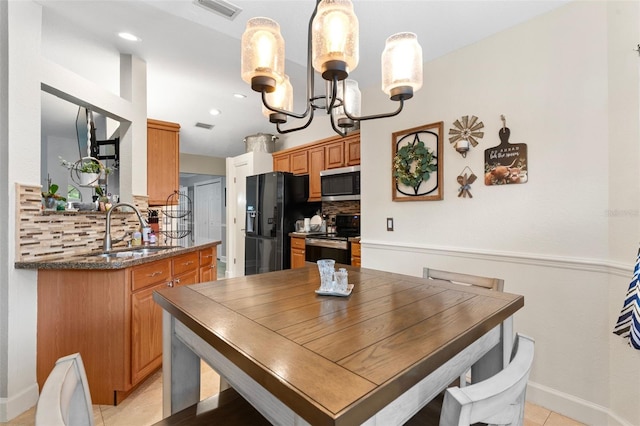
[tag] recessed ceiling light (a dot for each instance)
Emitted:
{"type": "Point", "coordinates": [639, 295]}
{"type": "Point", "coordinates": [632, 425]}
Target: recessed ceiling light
{"type": "Point", "coordinates": [239, 95]}
{"type": "Point", "coordinates": [214, 112]}
{"type": "Point", "coordinates": [128, 36]}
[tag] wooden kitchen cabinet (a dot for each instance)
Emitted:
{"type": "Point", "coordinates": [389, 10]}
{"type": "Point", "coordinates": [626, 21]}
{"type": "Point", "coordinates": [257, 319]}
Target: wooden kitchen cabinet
{"type": "Point", "coordinates": [299, 163]}
{"type": "Point", "coordinates": [297, 252]}
{"type": "Point", "coordinates": [146, 317]}
{"type": "Point", "coordinates": [186, 269]}
{"type": "Point", "coordinates": [208, 264]}
{"type": "Point", "coordinates": [352, 150]}
{"type": "Point", "coordinates": [282, 163]}
{"type": "Point", "coordinates": [355, 253]}
{"type": "Point", "coordinates": [314, 157]}
{"type": "Point", "coordinates": [316, 165]}
{"type": "Point", "coordinates": [334, 155]}
{"type": "Point", "coordinates": [296, 162]}
{"type": "Point", "coordinates": [109, 316]}
{"type": "Point", "coordinates": [146, 333]}
{"type": "Point", "coordinates": [163, 161]}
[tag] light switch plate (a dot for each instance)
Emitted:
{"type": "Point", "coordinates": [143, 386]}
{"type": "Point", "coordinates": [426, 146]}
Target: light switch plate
{"type": "Point", "coordinates": [389, 224]}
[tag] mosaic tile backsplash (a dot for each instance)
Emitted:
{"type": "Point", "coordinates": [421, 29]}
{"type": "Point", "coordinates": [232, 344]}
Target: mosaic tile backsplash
{"type": "Point", "coordinates": [43, 235]}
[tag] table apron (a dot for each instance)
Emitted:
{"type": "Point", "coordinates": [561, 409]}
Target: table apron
{"type": "Point", "coordinates": [409, 403]}
{"type": "Point", "coordinates": [182, 350]}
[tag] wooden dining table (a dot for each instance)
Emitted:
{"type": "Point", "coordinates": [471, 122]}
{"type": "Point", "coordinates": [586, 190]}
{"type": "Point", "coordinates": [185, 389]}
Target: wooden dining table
{"type": "Point", "coordinates": [376, 356]}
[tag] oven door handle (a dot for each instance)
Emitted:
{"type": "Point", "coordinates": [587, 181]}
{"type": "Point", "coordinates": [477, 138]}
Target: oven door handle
{"type": "Point", "coordinates": [318, 242]}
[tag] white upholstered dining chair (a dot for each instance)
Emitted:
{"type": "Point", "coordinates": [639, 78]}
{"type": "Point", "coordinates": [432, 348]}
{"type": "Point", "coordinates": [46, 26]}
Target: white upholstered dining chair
{"type": "Point", "coordinates": [65, 398]}
{"type": "Point", "coordinates": [499, 399]}
{"type": "Point", "coordinates": [495, 284]}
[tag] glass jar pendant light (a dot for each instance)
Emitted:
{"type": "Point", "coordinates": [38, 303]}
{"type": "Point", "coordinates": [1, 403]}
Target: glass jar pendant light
{"type": "Point", "coordinates": [262, 61]}
{"type": "Point", "coordinates": [333, 51]}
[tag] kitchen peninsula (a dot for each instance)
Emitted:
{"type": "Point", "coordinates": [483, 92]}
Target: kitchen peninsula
{"type": "Point", "coordinates": [103, 308]}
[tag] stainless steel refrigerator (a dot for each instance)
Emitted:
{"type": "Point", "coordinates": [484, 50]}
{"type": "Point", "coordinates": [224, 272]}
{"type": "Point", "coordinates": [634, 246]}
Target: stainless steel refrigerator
{"type": "Point", "coordinates": [274, 202]}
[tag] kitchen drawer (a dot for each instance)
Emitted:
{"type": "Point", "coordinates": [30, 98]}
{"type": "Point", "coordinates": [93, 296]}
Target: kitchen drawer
{"type": "Point", "coordinates": [207, 256]}
{"type": "Point", "coordinates": [184, 263]}
{"type": "Point", "coordinates": [297, 243]}
{"type": "Point", "coordinates": [150, 273]}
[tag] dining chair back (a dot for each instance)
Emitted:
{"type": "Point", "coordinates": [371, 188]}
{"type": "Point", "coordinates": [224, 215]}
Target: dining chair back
{"type": "Point", "coordinates": [499, 399]}
{"type": "Point", "coordinates": [496, 284]}
{"type": "Point", "coordinates": [65, 398]}
{"type": "Point", "coordinates": [455, 277]}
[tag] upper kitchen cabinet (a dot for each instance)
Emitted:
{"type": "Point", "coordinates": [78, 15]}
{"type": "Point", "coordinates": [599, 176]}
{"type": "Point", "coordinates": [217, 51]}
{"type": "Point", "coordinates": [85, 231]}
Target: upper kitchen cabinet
{"type": "Point", "coordinates": [352, 150]}
{"type": "Point", "coordinates": [163, 161]}
{"type": "Point", "coordinates": [321, 155]}
{"type": "Point", "coordinates": [296, 162]}
{"type": "Point", "coordinates": [334, 155]}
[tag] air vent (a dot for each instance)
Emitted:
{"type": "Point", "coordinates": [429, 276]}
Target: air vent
{"type": "Point", "coordinates": [221, 7]}
{"type": "Point", "coordinates": [204, 126]}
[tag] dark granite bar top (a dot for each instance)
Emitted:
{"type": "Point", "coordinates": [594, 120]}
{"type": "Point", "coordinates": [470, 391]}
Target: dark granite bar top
{"type": "Point", "coordinates": [119, 259]}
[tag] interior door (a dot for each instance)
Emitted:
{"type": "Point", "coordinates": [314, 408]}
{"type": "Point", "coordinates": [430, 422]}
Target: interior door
{"type": "Point", "coordinates": [208, 212]}
{"type": "Point", "coordinates": [242, 171]}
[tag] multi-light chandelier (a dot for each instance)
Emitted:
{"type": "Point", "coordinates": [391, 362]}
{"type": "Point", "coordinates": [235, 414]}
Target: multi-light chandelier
{"type": "Point", "coordinates": [332, 51]}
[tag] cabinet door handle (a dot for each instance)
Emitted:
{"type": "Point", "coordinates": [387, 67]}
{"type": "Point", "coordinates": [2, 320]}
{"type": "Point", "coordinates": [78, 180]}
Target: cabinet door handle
{"type": "Point", "coordinates": [176, 281]}
{"type": "Point", "coordinates": [208, 256]}
{"type": "Point", "coordinates": [188, 263]}
{"type": "Point", "coordinates": [153, 274]}
{"type": "Point", "coordinates": [170, 284]}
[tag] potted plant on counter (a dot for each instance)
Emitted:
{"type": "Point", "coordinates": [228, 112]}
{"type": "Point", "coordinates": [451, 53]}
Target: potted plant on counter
{"type": "Point", "coordinates": [51, 196]}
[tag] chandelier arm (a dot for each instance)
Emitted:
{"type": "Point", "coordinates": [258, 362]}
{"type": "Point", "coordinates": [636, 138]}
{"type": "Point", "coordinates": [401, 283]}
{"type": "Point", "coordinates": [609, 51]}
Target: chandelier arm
{"type": "Point", "coordinates": [310, 81]}
{"type": "Point", "coordinates": [282, 111]}
{"type": "Point", "coordinates": [283, 131]}
{"type": "Point", "coordinates": [332, 86]}
{"type": "Point", "coordinates": [375, 116]}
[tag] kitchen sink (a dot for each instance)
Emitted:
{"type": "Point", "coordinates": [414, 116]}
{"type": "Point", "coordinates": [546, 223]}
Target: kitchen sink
{"type": "Point", "coordinates": [143, 251]}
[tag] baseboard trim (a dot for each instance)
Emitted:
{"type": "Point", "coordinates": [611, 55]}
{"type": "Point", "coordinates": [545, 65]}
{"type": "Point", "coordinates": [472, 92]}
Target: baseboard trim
{"type": "Point", "coordinates": [18, 404]}
{"type": "Point", "coordinates": [574, 263]}
{"type": "Point", "coordinates": [576, 408]}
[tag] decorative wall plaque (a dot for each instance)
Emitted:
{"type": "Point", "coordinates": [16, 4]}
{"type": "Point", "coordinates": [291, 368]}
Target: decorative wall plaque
{"type": "Point", "coordinates": [506, 163]}
{"type": "Point", "coordinates": [417, 163]}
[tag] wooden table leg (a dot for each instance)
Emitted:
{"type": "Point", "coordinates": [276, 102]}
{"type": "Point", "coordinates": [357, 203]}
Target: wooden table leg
{"type": "Point", "coordinates": [498, 357]}
{"type": "Point", "coordinates": [180, 370]}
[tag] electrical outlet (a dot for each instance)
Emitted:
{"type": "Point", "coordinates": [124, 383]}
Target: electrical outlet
{"type": "Point", "coordinates": [389, 224]}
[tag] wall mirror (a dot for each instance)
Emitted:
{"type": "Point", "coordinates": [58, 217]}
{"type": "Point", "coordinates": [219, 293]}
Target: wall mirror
{"type": "Point", "coordinates": [65, 135]}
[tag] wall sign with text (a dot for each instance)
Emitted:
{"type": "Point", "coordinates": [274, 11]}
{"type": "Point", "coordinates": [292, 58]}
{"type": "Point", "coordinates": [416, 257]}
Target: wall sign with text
{"type": "Point", "coordinates": [506, 163]}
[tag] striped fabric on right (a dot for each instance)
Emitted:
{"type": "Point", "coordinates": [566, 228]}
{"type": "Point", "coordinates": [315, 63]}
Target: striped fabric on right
{"type": "Point", "coordinates": [628, 325]}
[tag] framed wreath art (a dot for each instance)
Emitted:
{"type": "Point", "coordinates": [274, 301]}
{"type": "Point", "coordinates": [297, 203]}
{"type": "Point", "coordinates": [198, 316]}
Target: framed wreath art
{"type": "Point", "coordinates": [417, 163]}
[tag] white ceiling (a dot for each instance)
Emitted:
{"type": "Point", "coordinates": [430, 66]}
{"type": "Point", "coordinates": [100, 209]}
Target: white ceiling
{"type": "Point", "coordinates": [193, 55]}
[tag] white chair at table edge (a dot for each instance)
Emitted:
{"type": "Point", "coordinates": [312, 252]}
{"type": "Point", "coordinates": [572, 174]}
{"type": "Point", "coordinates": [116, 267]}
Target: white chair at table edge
{"type": "Point", "coordinates": [495, 284]}
{"type": "Point", "coordinates": [499, 399]}
{"type": "Point", "coordinates": [65, 398]}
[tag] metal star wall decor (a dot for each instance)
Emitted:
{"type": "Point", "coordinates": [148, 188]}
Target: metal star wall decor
{"type": "Point", "coordinates": [467, 129]}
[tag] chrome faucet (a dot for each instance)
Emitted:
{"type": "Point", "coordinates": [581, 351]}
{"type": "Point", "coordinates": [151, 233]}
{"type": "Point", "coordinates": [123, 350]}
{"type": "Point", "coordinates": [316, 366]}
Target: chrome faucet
{"type": "Point", "coordinates": [106, 246]}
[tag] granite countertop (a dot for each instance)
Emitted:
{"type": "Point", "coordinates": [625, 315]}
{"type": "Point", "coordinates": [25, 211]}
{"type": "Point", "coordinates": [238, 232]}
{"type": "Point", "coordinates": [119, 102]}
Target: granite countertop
{"type": "Point", "coordinates": [121, 258]}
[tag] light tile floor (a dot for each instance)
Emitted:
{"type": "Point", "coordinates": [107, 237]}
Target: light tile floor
{"type": "Point", "coordinates": [144, 407]}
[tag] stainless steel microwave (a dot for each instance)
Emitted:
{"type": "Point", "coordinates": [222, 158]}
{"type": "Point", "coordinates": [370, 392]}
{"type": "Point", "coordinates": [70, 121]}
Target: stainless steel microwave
{"type": "Point", "coordinates": [340, 184]}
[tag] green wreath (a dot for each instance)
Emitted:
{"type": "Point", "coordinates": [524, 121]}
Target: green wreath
{"type": "Point", "coordinates": [414, 164]}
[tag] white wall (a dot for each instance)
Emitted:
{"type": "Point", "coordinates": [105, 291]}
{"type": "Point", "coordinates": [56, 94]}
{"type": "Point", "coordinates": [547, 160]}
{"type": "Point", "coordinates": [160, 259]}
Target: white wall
{"type": "Point", "coordinates": [549, 238]}
{"type": "Point", "coordinates": [567, 83]}
{"type": "Point", "coordinates": [18, 388]}
{"type": "Point", "coordinates": [24, 68]}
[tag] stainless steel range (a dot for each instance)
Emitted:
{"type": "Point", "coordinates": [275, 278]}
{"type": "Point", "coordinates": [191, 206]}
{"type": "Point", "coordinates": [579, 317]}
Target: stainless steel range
{"type": "Point", "coordinates": [334, 246]}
